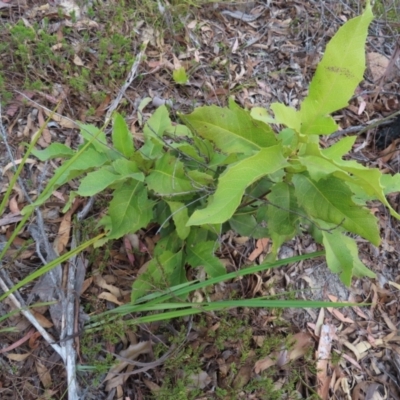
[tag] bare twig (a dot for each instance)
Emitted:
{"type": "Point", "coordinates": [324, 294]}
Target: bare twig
{"type": "Point", "coordinates": [364, 128]}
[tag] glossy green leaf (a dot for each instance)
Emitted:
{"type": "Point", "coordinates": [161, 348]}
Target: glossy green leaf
{"type": "Point", "coordinates": [233, 182]}
{"type": "Point", "coordinates": [95, 182]}
{"type": "Point", "coordinates": [130, 209]}
{"type": "Point", "coordinates": [283, 212]}
{"type": "Point", "coordinates": [88, 160]}
{"type": "Point", "coordinates": [55, 150]}
{"type": "Point", "coordinates": [100, 142]}
{"type": "Point", "coordinates": [342, 256]}
{"type": "Point", "coordinates": [369, 179]}
{"type": "Point", "coordinates": [202, 255]}
{"type": "Point", "coordinates": [127, 169]}
{"type": "Point", "coordinates": [318, 167]}
{"type": "Point", "coordinates": [233, 131]}
{"type": "Point", "coordinates": [156, 276]}
{"type": "Point", "coordinates": [180, 216]}
{"type": "Point", "coordinates": [158, 123]}
{"type": "Point", "coordinates": [247, 225]}
{"type": "Point", "coordinates": [122, 137]}
{"type": "Point", "coordinates": [390, 183]}
{"type": "Point", "coordinates": [340, 148]}
{"type": "Point", "coordinates": [179, 76]}
{"type": "Point", "coordinates": [168, 177]}
{"type": "Point", "coordinates": [337, 76]}
{"type": "Point", "coordinates": [261, 114]}
{"type": "Point", "coordinates": [330, 200]}
{"type": "Point", "coordinates": [286, 115]}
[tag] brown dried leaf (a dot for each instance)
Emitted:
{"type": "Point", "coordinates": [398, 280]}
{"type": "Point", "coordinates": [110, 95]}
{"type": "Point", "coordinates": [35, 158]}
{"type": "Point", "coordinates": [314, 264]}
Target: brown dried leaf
{"type": "Point", "coordinates": [152, 386]}
{"type": "Point", "coordinates": [45, 138]}
{"type": "Point", "coordinates": [99, 281]}
{"type": "Point", "coordinates": [199, 380]}
{"type": "Point", "coordinates": [13, 205]}
{"type": "Point", "coordinates": [63, 121]}
{"type": "Point", "coordinates": [44, 374]}
{"type": "Point", "coordinates": [18, 357]}
{"type": "Point", "coordinates": [78, 61]}
{"type": "Point", "coordinates": [33, 341]}
{"type": "Point", "coordinates": [114, 377]}
{"type": "Point", "coordinates": [377, 64]}
{"type": "Point", "coordinates": [109, 297]}
{"type": "Point", "coordinates": [261, 246]}
{"type": "Point", "coordinates": [62, 239]}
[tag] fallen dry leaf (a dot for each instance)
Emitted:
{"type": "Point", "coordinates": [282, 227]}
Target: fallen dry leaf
{"type": "Point", "coordinates": [63, 121]}
{"type": "Point", "coordinates": [199, 380]}
{"type": "Point", "coordinates": [114, 378]}
{"type": "Point", "coordinates": [62, 239]}
{"type": "Point", "coordinates": [43, 321]}
{"type": "Point", "coordinates": [18, 357]}
{"type": "Point", "coordinates": [261, 247]}
{"type": "Point", "coordinates": [377, 64]}
{"type": "Point", "coordinates": [44, 374]}
{"type": "Point", "coordinates": [109, 297]}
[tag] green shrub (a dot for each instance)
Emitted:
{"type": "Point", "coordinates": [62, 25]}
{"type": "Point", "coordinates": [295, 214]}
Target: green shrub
{"type": "Point", "coordinates": [225, 169]}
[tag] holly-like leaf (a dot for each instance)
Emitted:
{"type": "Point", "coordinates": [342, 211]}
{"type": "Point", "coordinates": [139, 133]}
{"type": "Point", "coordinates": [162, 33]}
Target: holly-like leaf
{"type": "Point", "coordinates": [180, 216]}
{"type": "Point", "coordinates": [157, 275]}
{"type": "Point", "coordinates": [130, 209]}
{"type": "Point", "coordinates": [179, 76]}
{"type": "Point", "coordinates": [247, 225]}
{"type": "Point", "coordinates": [202, 255]}
{"type": "Point", "coordinates": [233, 182]}
{"type": "Point", "coordinates": [122, 137]}
{"type": "Point", "coordinates": [158, 123]}
{"type": "Point", "coordinates": [369, 179]}
{"type": "Point", "coordinates": [340, 148]}
{"type": "Point", "coordinates": [168, 177]}
{"type": "Point", "coordinates": [55, 150]}
{"type": "Point", "coordinates": [100, 142]}
{"type": "Point", "coordinates": [96, 181]}
{"type": "Point", "coordinates": [287, 116]}
{"type": "Point", "coordinates": [330, 200]}
{"type": "Point", "coordinates": [232, 130]}
{"type": "Point", "coordinates": [342, 256]}
{"type": "Point", "coordinates": [337, 76]}
{"type": "Point", "coordinates": [283, 213]}
{"type": "Point", "coordinates": [127, 169]}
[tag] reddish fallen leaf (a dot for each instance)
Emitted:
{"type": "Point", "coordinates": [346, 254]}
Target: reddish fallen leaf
{"type": "Point", "coordinates": [19, 342]}
{"type": "Point", "coordinates": [33, 341]}
{"type": "Point", "coordinates": [13, 205]}
{"type": "Point", "coordinates": [101, 109]}
{"type": "Point", "coordinates": [261, 247]}
{"type": "Point", "coordinates": [129, 250]}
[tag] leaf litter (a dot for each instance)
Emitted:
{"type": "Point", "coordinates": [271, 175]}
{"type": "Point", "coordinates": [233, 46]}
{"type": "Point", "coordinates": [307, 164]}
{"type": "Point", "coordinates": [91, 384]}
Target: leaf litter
{"type": "Point", "coordinates": [259, 54]}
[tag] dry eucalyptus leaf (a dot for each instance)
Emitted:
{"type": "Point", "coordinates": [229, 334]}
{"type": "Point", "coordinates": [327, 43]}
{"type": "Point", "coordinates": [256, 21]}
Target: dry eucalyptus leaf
{"type": "Point", "coordinates": [18, 357]}
{"type": "Point", "coordinates": [377, 64]}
